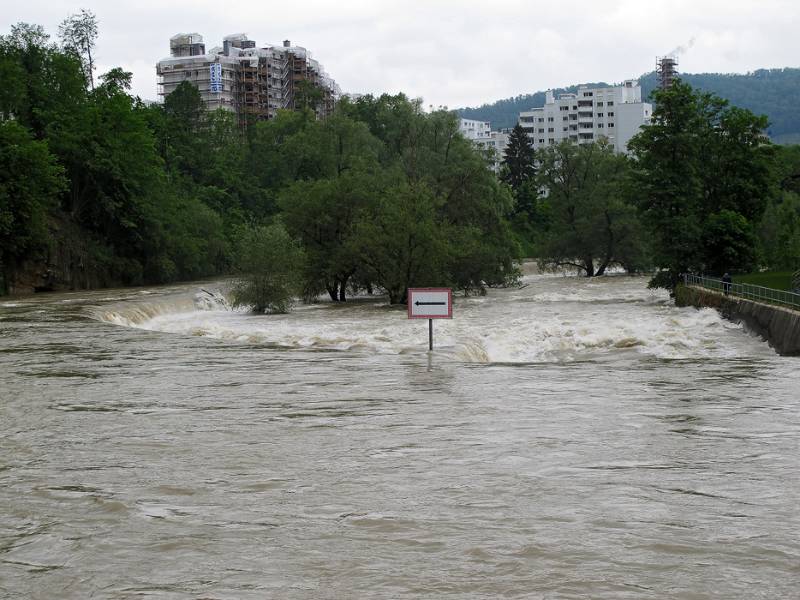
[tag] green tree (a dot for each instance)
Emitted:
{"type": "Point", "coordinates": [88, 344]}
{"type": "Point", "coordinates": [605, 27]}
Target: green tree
{"type": "Point", "coordinates": [270, 263]}
{"type": "Point", "coordinates": [30, 181]}
{"type": "Point", "coordinates": [322, 212]}
{"type": "Point", "coordinates": [779, 232]}
{"type": "Point", "coordinates": [592, 224]}
{"type": "Point", "coordinates": [401, 242]}
{"type": "Point", "coordinates": [519, 165]}
{"type": "Point", "coordinates": [699, 164]}
{"type": "Point", "coordinates": [78, 34]}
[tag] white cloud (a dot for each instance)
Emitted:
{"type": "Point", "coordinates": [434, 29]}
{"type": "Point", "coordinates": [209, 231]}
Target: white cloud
{"type": "Point", "coordinates": [452, 53]}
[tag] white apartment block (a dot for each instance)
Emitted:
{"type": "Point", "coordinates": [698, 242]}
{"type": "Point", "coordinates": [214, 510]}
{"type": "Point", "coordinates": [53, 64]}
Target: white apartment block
{"type": "Point", "coordinates": [492, 142]}
{"type": "Point", "coordinates": [613, 113]}
{"type": "Point", "coordinates": [474, 130]}
{"type": "Point", "coordinates": [495, 147]}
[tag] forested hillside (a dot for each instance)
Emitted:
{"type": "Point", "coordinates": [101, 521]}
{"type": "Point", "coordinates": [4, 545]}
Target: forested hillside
{"type": "Point", "coordinates": [771, 92]}
{"type": "Point", "coordinates": [98, 188]}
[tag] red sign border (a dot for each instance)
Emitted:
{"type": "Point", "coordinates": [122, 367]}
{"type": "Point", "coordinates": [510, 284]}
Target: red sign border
{"type": "Point", "coordinates": [449, 291]}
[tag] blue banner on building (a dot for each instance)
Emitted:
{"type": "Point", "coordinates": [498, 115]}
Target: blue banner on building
{"type": "Point", "coordinates": [216, 78]}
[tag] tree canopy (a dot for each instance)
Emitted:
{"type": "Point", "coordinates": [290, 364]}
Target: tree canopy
{"type": "Point", "coordinates": [702, 169]}
{"type": "Point", "coordinates": [379, 196]}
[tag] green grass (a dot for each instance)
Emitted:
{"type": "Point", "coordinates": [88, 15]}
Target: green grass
{"type": "Point", "coordinates": [777, 280]}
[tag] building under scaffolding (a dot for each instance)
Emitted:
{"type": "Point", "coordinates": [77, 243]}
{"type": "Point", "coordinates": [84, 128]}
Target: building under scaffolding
{"type": "Point", "coordinates": [666, 71]}
{"type": "Point", "coordinates": [252, 82]}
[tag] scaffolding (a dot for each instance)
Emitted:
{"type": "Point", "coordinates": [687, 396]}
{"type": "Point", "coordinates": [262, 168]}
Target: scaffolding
{"type": "Point", "coordinates": [253, 82]}
{"type": "Point", "coordinates": [666, 71]}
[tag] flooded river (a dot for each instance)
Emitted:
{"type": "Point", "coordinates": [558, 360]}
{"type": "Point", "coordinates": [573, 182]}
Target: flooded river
{"type": "Point", "coordinates": [570, 439]}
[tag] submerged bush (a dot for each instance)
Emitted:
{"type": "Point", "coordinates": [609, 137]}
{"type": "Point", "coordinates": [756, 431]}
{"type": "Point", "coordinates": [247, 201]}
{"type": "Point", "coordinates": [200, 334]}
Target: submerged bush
{"type": "Point", "coordinates": [270, 265]}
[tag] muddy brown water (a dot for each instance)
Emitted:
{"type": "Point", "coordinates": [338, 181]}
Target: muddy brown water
{"type": "Point", "coordinates": [570, 439]}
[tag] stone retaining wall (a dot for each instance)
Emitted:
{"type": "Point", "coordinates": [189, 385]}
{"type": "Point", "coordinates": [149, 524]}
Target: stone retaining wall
{"type": "Point", "coordinates": [778, 326]}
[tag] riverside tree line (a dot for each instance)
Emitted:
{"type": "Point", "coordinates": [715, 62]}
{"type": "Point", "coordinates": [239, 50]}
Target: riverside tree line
{"type": "Point", "coordinates": [380, 196]}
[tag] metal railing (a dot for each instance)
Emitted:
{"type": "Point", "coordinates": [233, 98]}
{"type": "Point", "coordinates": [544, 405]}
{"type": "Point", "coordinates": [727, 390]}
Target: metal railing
{"type": "Point", "coordinates": [745, 290]}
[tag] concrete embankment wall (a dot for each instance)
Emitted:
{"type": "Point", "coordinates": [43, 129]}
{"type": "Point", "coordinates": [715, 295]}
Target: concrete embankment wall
{"type": "Point", "coordinates": [778, 326]}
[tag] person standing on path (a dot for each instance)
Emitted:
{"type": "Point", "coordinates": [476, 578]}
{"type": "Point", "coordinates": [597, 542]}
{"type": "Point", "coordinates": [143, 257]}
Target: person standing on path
{"type": "Point", "coordinates": [726, 283]}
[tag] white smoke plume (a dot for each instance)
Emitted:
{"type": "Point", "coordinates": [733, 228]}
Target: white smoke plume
{"type": "Point", "coordinates": [675, 52]}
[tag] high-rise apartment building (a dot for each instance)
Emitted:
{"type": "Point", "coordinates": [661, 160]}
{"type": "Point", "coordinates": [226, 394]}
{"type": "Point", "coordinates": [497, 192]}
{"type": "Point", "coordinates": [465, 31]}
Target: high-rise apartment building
{"type": "Point", "coordinates": [252, 82]}
{"type": "Point", "coordinates": [614, 113]}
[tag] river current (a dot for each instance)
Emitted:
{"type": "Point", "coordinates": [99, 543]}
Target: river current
{"type": "Point", "coordinates": [568, 439]}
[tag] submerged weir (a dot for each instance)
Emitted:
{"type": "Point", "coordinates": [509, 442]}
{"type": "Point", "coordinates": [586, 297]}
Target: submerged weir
{"type": "Point", "coordinates": [572, 438]}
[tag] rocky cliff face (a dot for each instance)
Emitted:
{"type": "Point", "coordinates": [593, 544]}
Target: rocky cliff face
{"type": "Point", "coordinates": [778, 326]}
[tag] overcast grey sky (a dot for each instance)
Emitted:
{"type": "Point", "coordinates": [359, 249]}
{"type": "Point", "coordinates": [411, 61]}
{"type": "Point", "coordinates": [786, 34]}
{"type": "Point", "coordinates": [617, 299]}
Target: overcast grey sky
{"type": "Point", "coordinates": [450, 53]}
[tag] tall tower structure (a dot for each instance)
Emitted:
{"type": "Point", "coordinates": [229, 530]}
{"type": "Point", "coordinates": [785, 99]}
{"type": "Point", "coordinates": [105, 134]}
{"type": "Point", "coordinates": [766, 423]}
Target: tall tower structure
{"type": "Point", "coordinates": [666, 71]}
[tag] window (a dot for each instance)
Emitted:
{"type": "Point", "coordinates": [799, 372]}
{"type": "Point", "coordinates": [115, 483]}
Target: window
{"type": "Point", "coordinates": [550, 119]}
{"type": "Point", "coordinates": [551, 140]}
{"type": "Point", "coordinates": [563, 108]}
{"type": "Point", "coordinates": [599, 114]}
{"type": "Point", "coordinates": [566, 128]}
{"type": "Point", "coordinates": [566, 118]}
{"type": "Point", "coordinates": [587, 94]}
{"type": "Point", "coordinates": [599, 103]}
{"type": "Point", "coordinates": [541, 119]}
{"type": "Point", "coordinates": [610, 124]}
{"type": "Point", "coordinates": [611, 114]}
{"type": "Point", "coordinates": [610, 103]}
{"type": "Point", "coordinates": [541, 130]}
{"type": "Point", "coordinates": [600, 125]}
{"type": "Point", "coordinates": [575, 107]}
{"type": "Point", "coordinates": [541, 141]}
{"type": "Point", "coordinates": [550, 130]}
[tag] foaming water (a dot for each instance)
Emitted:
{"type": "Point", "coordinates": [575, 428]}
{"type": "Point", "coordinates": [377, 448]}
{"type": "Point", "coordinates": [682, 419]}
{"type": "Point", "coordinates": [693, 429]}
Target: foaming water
{"type": "Point", "coordinates": [567, 439]}
{"type": "Point", "coordinates": [550, 319]}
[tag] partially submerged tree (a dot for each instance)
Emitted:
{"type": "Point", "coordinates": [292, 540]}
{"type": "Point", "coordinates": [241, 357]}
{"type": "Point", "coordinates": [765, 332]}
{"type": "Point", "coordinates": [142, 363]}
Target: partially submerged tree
{"type": "Point", "coordinates": [592, 224]}
{"type": "Point", "coordinates": [270, 263]}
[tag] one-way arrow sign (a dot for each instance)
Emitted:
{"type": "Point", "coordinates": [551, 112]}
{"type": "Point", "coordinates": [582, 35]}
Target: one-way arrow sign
{"type": "Point", "coordinates": [430, 303]}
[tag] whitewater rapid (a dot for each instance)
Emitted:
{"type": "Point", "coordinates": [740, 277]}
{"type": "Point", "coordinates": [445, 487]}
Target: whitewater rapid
{"type": "Point", "coordinates": [547, 319]}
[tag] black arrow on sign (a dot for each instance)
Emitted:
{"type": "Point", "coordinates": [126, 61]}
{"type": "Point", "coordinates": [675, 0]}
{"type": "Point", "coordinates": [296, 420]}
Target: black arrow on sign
{"type": "Point", "coordinates": [418, 303]}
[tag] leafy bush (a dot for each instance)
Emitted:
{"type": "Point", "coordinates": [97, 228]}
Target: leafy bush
{"type": "Point", "coordinates": [270, 263]}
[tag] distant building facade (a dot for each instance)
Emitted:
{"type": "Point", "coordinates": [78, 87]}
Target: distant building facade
{"type": "Point", "coordinates": [480, 133]}
{"type": "Point", "coordinates": [495, 145]}
{"type": "Point", "coordinates": [252, 82]}
{"type": "Point", "coordinates": [474, 130]}
{"type": "Point", "coordinates": [591, 114]}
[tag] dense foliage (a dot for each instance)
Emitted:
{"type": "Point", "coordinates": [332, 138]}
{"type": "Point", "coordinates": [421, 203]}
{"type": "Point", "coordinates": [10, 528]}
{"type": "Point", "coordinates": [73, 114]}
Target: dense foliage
{"type": "Point", "coordinates": [770, 92]}
{"type": "Point", "coordinates": [703, 174]}
{"type": "Point", "coordinates": [592, 222]}
{"type": "Point", "coordinates": [99, 188]}
{"type": "Point", "coordinates": [380, 195]}
{"type": "Point", "coordinates": [702, 191]}
{"type": "Point", "coordinates": [270, 262]}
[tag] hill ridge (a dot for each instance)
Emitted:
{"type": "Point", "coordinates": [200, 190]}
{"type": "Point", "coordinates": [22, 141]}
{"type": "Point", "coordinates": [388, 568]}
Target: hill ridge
{"type": "Point", "coordinates": [773, 92]}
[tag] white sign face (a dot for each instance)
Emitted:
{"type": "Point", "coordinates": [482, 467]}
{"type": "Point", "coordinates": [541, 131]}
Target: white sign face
{"type": "Point", "coordinates": [430, 303]}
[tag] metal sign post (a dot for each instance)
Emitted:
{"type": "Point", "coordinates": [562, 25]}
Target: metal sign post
{"type": "Point", "coordinates": [430, 303]}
